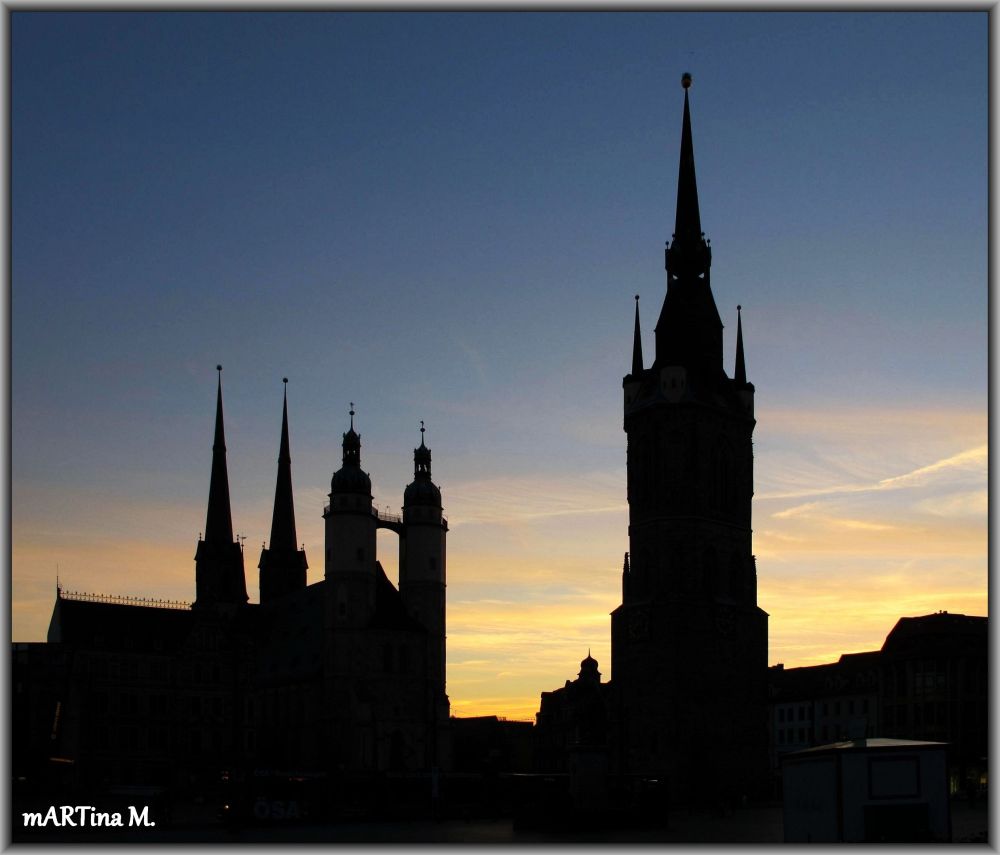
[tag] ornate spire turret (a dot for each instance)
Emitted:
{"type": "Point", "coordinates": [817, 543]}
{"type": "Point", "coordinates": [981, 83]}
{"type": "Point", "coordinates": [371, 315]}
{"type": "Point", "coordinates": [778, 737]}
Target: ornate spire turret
{"type": "Point", "coordinates": [740, 373]}
{"type": "Point", "coordinates": [422, 457]}
{"type": "Point", "coordinates": [283, 566]}
{"type": "Point", "coordinates": [349, 478]}
{"type": "Point", "coordinates": [422, 491]}
{"type": "Point", "coordinates": [636, 344]}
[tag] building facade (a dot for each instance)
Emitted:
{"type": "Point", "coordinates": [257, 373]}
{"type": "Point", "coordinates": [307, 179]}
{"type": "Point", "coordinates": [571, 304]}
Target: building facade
{"type": "Point", "coordinates": [928, 682]}
{"type": "Point", "coordinates": [345, 676]}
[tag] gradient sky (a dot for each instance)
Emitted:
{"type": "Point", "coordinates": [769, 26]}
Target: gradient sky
{"type": "Point", "coordinates": [445, 216]}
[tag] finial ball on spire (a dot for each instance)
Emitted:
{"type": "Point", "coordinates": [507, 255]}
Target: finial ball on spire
{"type": "Point", "coordinates": [637, 298]}
{"type": "Point", "coordinates": [218, 367]}
{"type": "Point", "coordinates": [284, 379]}
{"type": "Point", "coordinates": [686, 80]}
{"type": "Point", "coordinates": [739, 308]}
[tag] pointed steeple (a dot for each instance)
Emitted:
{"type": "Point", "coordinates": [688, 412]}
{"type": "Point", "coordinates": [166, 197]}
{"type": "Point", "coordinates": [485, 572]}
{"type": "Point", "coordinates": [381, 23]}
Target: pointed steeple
{"type": "Point", "coordinates": [689, 252]}
{"type": "Point", "coordinates": [219, 522]}
{"type": "Point", "coordinates": [637, 344]}
{"type": "Point", "coordinates": [687, 224]}
{"type": "Point", "coordinates": [219, 576]}
{"type": "Point", "coordinates": [282, 566]}
{"type": "Point", "coordinates": [689, 329]}
{"type": "Point", "coordinates": [740, 374]}
{"type": "Point", "coordinates": [283, 520]}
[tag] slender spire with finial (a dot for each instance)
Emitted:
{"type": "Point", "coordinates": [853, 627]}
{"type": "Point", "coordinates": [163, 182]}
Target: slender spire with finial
{"type": "Point", "coordinates": [637, 344]}
{"type": "Point", "coordinates": [282, 566]}
{"type": "Point", "coordinates": [219, 522]}
{"type": "Point", "coordinates": [352, 415]}
{"type": "Point", "coordinates": [283, 535]}
{"type": "Point", "coordinates": [687, 225]}
{"type": "Point", "coordinates": [740, 374]}
{"type": "Point", "coordinates": [219, 576]}
{"type": "Point", "coordinates": [689, 329]}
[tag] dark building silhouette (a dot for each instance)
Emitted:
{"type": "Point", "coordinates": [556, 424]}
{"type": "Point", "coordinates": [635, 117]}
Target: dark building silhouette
{"type": "Point", "coordinates": [688, 692]}
{"type": "Point", "coordinates": [689, 644]}
{"type": "Point", "coordinates": [341, 677]}
{"type": "Point", "coordinates": [928, 682]}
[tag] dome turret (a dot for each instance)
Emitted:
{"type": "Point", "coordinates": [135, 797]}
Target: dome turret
{"type": "Point", "coordinates": [422, 490]}
{"type": "Point", "coordinates": [588, 670]}
{"type": "Point", "coordinates": [350, 478]}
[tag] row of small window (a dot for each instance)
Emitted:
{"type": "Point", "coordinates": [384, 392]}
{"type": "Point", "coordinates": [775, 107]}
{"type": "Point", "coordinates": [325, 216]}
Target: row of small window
{"type": "Point", "coordinates": [156, 739]}
{"type": "Point", "coordinates": [928, 713]}
{"type": "Point", "coordinates": [787, 737]}
{"type": "Point", "coordinates": [157, 705]}
{"type": "Point", "coordinates": [805, 710]}
{"type": "Point", "coordinates": [826, 734]}
{"type": "Point", "coordinates": [157, 670]}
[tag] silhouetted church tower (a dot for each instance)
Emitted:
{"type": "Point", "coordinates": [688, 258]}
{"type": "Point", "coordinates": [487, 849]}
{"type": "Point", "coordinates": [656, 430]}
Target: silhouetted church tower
{"type": "Point", "coordinates": [422, 561]}
{"type": "Point", "coordinates": [350, 538]}
{"type": "Point", "coordinates": [283, 566]}
{"type": "Point", "coordinates": [219, 577]}
{"type": "Point", "coordinates": [689, 644]}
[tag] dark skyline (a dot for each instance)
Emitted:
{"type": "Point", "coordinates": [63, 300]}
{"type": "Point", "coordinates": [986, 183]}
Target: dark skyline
{"type": "Point", "coordinates": [445, 217]}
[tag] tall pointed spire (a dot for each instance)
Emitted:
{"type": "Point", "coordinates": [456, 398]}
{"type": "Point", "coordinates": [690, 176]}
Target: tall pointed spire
{"type": "Point", "coordinates": [219, 577]}
{"type": "Point", "coordinates": [283, 519]}
{"type": "Point", "coordinates": [687, 225]}
{"type": "Point", "coordinates": [689, 252]}
{"type": "Point", "coordinates": [219, 522]}
{"type": "Point", "coordinates": [740, 374]}
{"type": "Point", "coordinates": [637, 344]}
{"type": "Point", "coordinates": [282, 565]}
{"type": "Point", "coordinates": [689, 329]}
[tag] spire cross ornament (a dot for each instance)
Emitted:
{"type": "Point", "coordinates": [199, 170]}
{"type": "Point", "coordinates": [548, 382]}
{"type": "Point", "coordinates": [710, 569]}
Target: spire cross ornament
{"type": "Point", "coordinates": [421, 431]}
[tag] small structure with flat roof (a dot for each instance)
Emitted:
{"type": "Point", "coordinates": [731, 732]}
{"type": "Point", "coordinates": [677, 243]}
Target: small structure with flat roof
{"type": "Point", "coordinates": [872, 790]}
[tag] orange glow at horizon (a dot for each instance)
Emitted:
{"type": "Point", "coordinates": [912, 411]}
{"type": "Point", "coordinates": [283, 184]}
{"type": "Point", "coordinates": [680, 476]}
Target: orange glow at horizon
{"type": "Point", "coordinates": [855, 527]}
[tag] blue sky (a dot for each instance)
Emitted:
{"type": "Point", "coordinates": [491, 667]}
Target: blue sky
{"type": "Point", "coordinates": [444, 216]}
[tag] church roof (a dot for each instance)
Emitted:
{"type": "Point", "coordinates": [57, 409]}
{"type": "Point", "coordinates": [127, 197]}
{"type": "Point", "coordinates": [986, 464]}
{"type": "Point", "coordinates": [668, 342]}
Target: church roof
{"type": "Point", "coordinates": [111, 625]}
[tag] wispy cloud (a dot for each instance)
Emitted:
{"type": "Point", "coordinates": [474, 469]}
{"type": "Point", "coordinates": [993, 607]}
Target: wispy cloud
{"type": "Point", "coordinates": [519, 499]}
